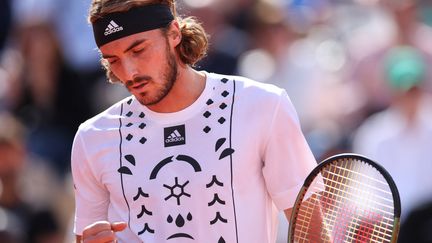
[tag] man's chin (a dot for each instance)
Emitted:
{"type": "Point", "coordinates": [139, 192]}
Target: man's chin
{"type": "Point", "coordinates": [145, 100]}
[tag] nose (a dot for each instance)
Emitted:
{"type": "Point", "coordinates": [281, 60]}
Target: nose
{"type": "Point", "coordinates": [130, 70]}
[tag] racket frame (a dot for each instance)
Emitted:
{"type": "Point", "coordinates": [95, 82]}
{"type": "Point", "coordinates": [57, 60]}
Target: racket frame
{"type": "Point", "coordinates": [347, 156]}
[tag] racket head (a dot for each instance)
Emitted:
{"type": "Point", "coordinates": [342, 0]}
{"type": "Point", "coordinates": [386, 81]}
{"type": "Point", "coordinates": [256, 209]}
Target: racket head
{"type": "Point", "coordinates": [357, 199]}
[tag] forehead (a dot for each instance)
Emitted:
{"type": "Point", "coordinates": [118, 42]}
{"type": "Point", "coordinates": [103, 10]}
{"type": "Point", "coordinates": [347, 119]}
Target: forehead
{"type": "Point", "coordinates": [122, 44]}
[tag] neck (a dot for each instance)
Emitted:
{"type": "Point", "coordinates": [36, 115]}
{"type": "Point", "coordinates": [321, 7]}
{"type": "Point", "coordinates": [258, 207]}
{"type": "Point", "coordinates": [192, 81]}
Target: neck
{"type": "Point", "coordinates": [187, 88]}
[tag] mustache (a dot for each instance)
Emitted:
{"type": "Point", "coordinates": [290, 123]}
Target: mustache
{"type": "Point", "coordinates": [138, 80]}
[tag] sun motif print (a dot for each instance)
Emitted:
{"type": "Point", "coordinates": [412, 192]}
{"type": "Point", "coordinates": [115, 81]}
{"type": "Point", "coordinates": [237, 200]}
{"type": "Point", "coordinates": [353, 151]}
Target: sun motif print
{"type": "Point", "coordinates": [213, 172]}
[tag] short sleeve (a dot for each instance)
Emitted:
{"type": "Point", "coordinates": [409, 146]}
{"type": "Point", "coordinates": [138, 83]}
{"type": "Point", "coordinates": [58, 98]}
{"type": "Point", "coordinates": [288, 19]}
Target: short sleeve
{"type": "Point", "coordinates": [91, 197]}
{"type": "Point", "coordinates": [287, 157]}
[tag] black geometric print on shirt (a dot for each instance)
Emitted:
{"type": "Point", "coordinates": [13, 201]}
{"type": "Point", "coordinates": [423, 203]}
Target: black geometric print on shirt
{"type": "Point", "coordinates": [209, 102]}
{"type": "Point", "coordinates": [146, 229]}
{"type": "Point", "coordinates": [207, 129]}
{"type": "Point", "coordinates": [221, 240]}
{"type": "Point", "coordinates": [215, 200]}
{"type": "Point", "coordinates": [223, 106]}
{"type": "Point", "coordinates": [179, 222]}
{"type": "Point", "coordinates": [180, 158]}
{"type": "Point", "coordinates": [139, 194]}
{"type": "Point", "coordinates": [207, 114]}
{"type": "Point", "coordinates": [124, 169]}
{"type": "Point", "coordinates": [219, 143]}
{"type": "Point", "coordinates": [130, 158]}
{"type": "Point", "coordinates": [226, 152]}
{"type": "Point", "coordinates": [219, 218]}
{"type": "Point", "coordinates": [144, 211]}
{"type": "Point", "coordinates": [129, 101]}
{"type": "Point", "coordinates": [214, 181]}
{"type": "Point", "coordinates": [143, 140]}
{"type": "Point", "coordinates": [177, 190]}
{"type": "Point", "coordinates": [141, 126]}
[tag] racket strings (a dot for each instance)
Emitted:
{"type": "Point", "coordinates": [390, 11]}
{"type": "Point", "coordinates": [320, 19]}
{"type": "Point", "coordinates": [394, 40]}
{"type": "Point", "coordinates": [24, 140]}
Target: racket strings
{"type": "Point", "coordinates": [330, 219]}
{"type": "Point", "coordinates": [352, 200]}
{"type": "Point", "coordinates": [352, 228]}
{"type": "Point", "coordinates": [360, 182]}
{"type": "Point", "coordinates": [307, 212]}
{"type": "Point", "coordinates": [357, 221]}
{"type": "Point", "coordinates": [356, 173]}
{"type": "Point", "coordinates": [335, 209]}
{"type": "Point", "coordinates": [357, 205]}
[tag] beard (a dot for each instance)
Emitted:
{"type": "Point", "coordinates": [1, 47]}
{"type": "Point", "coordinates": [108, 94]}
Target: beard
{"type": "Point", "coordinates": [161, 90]}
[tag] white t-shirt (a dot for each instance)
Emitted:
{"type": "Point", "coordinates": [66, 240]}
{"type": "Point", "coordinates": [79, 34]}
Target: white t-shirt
{"type": "Point", "coordinates": [212, 172]}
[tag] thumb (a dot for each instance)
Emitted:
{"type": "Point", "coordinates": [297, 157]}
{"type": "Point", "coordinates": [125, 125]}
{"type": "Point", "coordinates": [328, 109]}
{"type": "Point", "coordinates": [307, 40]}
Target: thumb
{"type": "Point", "coordinates": [118, 226]}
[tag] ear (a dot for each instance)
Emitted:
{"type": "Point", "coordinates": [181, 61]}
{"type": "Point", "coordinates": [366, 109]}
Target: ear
{"type": "Point", "coordinates": [174, 34]}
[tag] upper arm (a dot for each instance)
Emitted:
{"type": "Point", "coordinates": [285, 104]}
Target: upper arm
{"type": "Point", "coordinates": [91, 197]}
{"type": "Point", "coordinates": [288, 158]}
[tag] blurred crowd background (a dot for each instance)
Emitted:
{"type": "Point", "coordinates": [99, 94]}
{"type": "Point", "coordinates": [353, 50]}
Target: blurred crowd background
{"type": "Point", "coordinates": [356, 70]}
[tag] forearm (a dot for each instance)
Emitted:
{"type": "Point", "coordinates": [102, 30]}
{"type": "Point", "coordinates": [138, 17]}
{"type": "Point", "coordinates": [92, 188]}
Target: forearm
{"type": "Point", "coordinates": [288, 213]}
{"type": "Point", "coordinates": [78, 239]}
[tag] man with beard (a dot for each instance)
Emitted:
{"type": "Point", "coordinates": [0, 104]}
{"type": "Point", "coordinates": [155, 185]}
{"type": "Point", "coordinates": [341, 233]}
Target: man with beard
{"type": "Point", "coordinates": [190, 155]}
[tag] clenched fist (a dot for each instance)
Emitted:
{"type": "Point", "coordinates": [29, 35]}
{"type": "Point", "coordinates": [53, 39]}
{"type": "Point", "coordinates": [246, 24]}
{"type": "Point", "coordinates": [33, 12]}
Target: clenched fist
{"type": "Point", "coordinates": [101, 232]}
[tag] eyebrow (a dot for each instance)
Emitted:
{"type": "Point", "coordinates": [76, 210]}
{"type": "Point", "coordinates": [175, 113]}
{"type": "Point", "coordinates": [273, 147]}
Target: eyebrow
{"type": "Point", "coordinates": [134, 44]}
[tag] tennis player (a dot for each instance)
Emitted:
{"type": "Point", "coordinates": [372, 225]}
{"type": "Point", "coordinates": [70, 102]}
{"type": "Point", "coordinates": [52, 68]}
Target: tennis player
{"type": "Point", "coordinates": [190, 156]}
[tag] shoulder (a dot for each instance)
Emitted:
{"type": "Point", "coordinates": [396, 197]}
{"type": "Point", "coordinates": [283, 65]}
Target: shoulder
{"type": "Point", "coordinates": [251, 97]}
{"type": "Point", "coordinates": [107, 119]}
{"type": "Point", "coordinates": [247, 86]}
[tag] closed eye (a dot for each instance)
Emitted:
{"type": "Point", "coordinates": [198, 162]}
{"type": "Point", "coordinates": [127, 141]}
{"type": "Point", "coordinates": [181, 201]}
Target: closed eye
{"type": "Point", "coordinates": [112, 61]}
{"type": "Point", "coordinates": [138, 51]}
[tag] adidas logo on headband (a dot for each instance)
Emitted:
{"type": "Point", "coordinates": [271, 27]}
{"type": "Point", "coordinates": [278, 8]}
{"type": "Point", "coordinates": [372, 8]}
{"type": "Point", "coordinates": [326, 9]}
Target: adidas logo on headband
{"type": "Point", "coordinates": [135, 20]}
{"type": "Point", "coordinates": [112, 28]}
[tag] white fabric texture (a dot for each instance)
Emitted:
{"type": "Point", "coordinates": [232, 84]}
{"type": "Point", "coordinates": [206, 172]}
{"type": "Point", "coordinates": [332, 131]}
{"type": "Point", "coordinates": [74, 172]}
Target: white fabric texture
{"type": "Point", "coordinates": [216, 171]}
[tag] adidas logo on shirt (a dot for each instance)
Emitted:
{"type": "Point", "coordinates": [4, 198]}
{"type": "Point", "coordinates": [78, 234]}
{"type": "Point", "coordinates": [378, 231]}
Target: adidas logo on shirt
{"type": "Point", "coordinates": [175, 136]}
{"type": "Point", "coordinates": [112, 28]}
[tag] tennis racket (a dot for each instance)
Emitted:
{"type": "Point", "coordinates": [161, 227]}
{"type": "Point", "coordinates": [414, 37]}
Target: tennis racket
{"type": "Point", "coordinates": [346, 198]}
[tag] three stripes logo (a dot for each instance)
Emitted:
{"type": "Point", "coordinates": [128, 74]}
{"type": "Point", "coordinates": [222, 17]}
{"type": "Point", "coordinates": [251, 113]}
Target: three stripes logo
{"type": "Point", "coordinates": [112, 28]}
{"type": "Point", "coordinates": [175, 135]}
